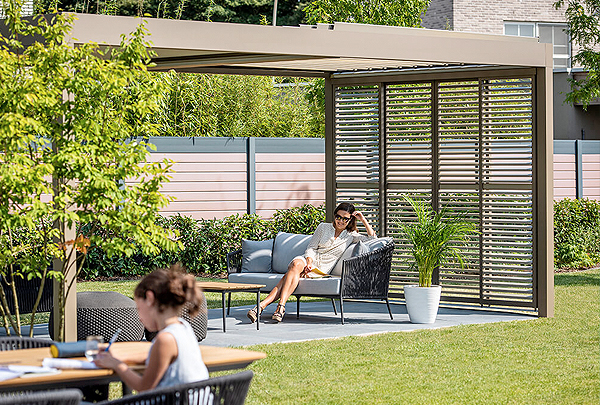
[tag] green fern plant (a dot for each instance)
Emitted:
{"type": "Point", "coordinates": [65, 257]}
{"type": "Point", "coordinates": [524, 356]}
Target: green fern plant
{"type": "Point", "coordinates": [434, 237]}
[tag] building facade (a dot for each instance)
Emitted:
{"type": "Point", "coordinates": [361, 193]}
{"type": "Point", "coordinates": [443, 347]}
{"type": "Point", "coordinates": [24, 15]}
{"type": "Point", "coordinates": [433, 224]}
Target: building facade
{"type": "Point", "coordinates": [528, 18]}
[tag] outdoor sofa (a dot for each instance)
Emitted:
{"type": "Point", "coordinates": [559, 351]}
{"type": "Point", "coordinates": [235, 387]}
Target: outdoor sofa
{"type": "Point", "coordinates": [362, 273]}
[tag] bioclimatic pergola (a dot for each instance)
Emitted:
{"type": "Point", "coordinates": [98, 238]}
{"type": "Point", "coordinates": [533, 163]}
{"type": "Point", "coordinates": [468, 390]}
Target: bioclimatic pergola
{"type": "Point", "coordinates": [456, 119]}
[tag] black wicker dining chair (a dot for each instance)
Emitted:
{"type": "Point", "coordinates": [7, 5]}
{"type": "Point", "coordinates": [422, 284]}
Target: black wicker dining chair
{"type": "Point", "coordinates": [58, 397]}
{"type": "Point", "coordinates": [225, 390]}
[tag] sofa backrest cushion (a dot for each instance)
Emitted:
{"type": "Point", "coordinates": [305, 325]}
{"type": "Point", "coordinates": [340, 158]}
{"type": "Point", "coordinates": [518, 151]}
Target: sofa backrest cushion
{"type": "Point", "coordinates": [377, 243]}
{"type": "Point", "coordinates": [256, 256]}
{"type": "Point", "coordinates": [357, 249]}
{"type": "Point", "coordinates": [286, 247]}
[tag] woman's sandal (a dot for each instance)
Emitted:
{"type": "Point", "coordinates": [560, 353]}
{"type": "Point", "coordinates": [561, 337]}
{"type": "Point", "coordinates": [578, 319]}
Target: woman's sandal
{"type": "Point", "coordinates": [253, 314]}
{"type": "Point", "coordinates": [279, 313]}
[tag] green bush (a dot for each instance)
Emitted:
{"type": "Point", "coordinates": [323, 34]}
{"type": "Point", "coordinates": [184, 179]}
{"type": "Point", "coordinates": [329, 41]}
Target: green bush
{"type": "Point", "coordinates": [206, 242]}
{"type": "Point", "coordinates": [576, 233]}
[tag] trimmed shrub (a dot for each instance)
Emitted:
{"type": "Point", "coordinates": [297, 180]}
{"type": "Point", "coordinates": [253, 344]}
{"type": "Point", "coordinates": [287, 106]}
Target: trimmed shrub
{"type": "Point", "coordinates": [576, 233]}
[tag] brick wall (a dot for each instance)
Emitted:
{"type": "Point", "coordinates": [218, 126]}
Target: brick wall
{"type": "Point", "coordinates": [488, 16]}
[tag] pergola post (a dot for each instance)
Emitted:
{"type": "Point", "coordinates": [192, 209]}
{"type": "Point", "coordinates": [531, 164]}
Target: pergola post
{"type": "Point", "coordinates": [330, 185]}
{"type": "Point", "coordinates": [544, 191]}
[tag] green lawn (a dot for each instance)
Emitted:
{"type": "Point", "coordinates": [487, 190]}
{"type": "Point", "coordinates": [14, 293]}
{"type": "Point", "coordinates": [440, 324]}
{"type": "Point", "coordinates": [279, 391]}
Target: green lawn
{"type": "Point", "coordinates": [540, 361]}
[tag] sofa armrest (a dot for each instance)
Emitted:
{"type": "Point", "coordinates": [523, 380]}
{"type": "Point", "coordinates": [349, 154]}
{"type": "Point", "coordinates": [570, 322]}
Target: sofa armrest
{"type": "Point", "coordinates": [234, 261]}
{"type": "Point", "coordinates": [367, 276]}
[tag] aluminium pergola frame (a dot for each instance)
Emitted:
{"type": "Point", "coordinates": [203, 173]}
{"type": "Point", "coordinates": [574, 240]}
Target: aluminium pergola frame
{"type": "Point", "coordinates": [384, 61]}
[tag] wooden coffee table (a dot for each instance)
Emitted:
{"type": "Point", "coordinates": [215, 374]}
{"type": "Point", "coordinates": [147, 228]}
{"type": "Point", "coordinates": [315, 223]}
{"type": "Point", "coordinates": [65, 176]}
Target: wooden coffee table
{"type": "Point", "coordinates": [215, 286]}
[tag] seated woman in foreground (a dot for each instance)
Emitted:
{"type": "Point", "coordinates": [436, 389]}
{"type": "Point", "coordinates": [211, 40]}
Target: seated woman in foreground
{"type": "Point", "coordinates": [174, 356]}
{"type": "Point", "coordinates": [326, 246]}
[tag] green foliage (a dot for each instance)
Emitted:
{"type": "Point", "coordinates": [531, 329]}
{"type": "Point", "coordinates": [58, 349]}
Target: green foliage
{"type": "Point", "coordinates": [204, 243]}
{"type": "Point", "coordinates": [67, 117]}
{"type": "Point", "coordinates": [583, 19]}
{"type": "Point", "coordinates": [576, 233]}
{"type": "Point", "coordinates": [404, 13]}
{"type": "Point", "coordinates": [237, 106]}
{"type": "Point", "coordinates": [434, 236]}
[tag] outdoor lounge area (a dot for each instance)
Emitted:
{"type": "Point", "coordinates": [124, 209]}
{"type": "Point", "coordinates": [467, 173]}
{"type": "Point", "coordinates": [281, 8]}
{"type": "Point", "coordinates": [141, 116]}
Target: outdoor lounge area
{"type": "Point", "coordinates": [448, 119]}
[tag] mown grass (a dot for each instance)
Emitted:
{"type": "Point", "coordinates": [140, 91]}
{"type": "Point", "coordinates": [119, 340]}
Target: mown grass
{"type": "Point", "coordinates": [539, 361]}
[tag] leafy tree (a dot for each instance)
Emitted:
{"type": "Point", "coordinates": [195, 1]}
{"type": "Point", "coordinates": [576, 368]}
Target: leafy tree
{"type": "Point", "coordinates": [289, 12]}
{"type": "Point", "coordinates": [583, 19]}
{"type": "Point", "coordinates": [405, 13]}
{"type": "Point", "coordinates": [69, 117]}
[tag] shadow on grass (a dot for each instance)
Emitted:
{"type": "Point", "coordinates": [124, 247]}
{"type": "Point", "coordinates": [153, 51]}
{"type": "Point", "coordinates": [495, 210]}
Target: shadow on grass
{"type": "Point", "coordinates": [587, 277]}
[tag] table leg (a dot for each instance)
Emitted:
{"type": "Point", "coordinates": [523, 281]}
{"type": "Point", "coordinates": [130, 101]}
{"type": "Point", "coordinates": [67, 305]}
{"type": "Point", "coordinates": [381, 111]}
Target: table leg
{"type": "Point", "coordinates": [223, 306]}
{"type": "Point", "coordinates": [257, 309]}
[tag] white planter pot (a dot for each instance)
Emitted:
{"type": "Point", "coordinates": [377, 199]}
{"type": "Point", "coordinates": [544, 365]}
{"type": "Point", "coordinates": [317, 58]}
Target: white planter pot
{"type": "Point", "coordinates": [422, 302]}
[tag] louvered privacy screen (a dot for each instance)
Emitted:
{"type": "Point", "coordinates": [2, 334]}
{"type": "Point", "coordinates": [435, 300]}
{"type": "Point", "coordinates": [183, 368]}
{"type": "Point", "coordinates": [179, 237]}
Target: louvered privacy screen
{"type": "Point", "coordinates": [462, 144]}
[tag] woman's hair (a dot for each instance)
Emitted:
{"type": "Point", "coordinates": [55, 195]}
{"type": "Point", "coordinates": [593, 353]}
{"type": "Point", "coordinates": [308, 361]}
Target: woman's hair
{"type": "Point", "coordinates": [172, 288]}
{"type": "Point", "coordinates": [350, 209]}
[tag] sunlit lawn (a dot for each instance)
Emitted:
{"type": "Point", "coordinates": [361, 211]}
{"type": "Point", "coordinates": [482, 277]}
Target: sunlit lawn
{"type": "Point", "coordinates": [538, 361]}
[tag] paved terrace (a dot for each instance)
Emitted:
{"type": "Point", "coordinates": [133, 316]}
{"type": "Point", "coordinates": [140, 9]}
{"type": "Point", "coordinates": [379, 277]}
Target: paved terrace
{"type": "Point", "coordinates": [317, 321]}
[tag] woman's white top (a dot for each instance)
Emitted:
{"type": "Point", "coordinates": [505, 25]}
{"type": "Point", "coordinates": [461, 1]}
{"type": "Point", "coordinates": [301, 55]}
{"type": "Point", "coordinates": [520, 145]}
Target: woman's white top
{"type": "Point", "coordinates": [325, 249]}
{"type": "Point", "coordinates": [188, 366]}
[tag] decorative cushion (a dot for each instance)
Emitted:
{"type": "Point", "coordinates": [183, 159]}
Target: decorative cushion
{"type": "Point", "coordinates": [256, 256]}
{"type": "Point", "coordinates": [286, 247]}
{"type": "Point", "coordinates": [337, 269]}
{"type": "Point", "coordinates": [359, 249]}
{"type": "Point", "coordinates": [377, 243]}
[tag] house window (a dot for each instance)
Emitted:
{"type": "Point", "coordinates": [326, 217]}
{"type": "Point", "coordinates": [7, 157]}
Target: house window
{"type": "Point", "coordinates": [554, 34]}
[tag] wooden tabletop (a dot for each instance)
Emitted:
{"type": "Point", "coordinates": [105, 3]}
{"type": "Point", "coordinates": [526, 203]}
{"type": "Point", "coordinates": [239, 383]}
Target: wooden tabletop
{"type": "Point", "coordinates": [216, 286]}
{"type": "Point", "coordinates": [215, 358]}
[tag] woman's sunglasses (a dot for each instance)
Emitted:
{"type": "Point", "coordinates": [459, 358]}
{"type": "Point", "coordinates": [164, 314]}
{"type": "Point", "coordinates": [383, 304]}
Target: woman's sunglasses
{"type": "Point", "coordinates": [341, 218]}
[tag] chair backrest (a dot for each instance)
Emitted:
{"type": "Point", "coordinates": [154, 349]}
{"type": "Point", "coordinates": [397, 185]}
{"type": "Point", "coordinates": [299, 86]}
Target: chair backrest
{"type": "Point", "coordinates": [19, 342]}
{"type": "Point", "coordinates": [57, 397]}
{"type": "Point", "coordinates": [226, 390]}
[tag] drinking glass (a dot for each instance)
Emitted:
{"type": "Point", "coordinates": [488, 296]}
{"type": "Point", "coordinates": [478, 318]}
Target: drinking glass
{"type": "Point", "coordinates": [92, 344]}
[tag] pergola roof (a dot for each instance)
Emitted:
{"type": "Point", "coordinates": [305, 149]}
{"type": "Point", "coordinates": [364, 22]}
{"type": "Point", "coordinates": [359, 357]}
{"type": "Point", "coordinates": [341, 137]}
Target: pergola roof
{"type": "Point", "coordinates": [321, 50]}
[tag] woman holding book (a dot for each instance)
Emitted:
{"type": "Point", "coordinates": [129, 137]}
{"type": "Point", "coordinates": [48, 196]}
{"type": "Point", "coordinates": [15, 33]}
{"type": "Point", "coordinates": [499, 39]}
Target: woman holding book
{"type": "Point", "coordinates": [326, 246]}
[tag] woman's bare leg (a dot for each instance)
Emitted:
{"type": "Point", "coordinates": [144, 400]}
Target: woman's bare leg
{"type": "Point", "coordinates": [286, 282]}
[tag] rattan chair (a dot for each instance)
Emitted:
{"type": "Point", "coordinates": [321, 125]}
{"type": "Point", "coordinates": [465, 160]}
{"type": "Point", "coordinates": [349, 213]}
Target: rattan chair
{"type": "Point", "coordinates": [199, 323]}
{"type": "Point", "coordinates": [58, 397]}
{"type": "Point", "coordinates": [17, 343]}
{"type": "Point", "coordinates": [226, 390]}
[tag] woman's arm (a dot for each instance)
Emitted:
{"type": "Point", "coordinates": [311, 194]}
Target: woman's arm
{"type": "Point", "coordinates": [162, 354]}
{"type": "Point", "coordinates": [366, 224]}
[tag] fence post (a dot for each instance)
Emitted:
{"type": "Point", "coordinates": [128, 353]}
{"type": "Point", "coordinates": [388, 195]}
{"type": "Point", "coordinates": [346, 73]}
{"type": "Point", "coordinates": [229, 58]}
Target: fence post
{"type": "Point", "coordinates": [578, 169]}
{"type": "Point", "coordinates": [251, 175]}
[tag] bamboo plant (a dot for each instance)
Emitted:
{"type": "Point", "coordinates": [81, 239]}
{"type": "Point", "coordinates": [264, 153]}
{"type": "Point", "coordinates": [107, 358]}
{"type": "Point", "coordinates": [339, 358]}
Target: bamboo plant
{"type": "Point", "coordinates": [434, 237]}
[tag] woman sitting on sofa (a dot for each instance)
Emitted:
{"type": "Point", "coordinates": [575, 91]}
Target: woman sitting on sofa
{"type": "Point", "coordinates": [326, 246]}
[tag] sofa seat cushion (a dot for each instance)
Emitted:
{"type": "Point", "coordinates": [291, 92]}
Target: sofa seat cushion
{"type": "Point", "coordinates": [268, 279]}
{"type": "Point", "coordinates": [286, 247]}
{"type": "Point", "coordinates": [306, 286]}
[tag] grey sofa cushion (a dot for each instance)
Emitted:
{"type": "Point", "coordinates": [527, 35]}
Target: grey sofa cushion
{"type": "Point", "coordinates": [359, 249]}
{"type": "Point", "coordinates": [377, 243]}
{"type": "Point", "coordinates": [308, 286]}
{"type": "Point", "coordinates": [286, 247]}
{"type": "Point", "coordinates": [337, 269]}
{"type": "Point", "coordinates": [256, 256]}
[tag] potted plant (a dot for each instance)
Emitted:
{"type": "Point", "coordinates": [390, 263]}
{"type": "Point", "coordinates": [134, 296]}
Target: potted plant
{"type": "Point", "coordinates": [433, 236]}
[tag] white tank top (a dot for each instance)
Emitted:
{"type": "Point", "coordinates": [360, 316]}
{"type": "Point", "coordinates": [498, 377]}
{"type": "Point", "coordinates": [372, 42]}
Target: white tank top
{"type": "Point", "coordinates": [188, 366]}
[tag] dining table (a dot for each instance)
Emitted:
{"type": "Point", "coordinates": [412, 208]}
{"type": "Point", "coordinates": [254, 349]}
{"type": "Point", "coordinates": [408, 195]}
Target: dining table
{"type": "Point", "coordinates": [215, 358]}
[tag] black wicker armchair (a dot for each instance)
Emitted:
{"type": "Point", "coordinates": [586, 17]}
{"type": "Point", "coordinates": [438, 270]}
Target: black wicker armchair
{"type": "Point", "coordinates": [363, 277]}
{"type": "Point", "coordinates": [18, 342]}
{"type": "Point", "coordinates": [58, 397]}
{"type": "Point", "coordinates": [226, 390]}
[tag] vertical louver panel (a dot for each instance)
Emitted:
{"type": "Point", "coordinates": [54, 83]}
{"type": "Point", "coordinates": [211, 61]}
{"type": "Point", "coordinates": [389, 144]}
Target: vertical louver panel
{"type": "Point", "coordinates": [357, 149]}
{"type": "Point", "coordinates": [357, 135]}
{"type": "Point", "coordinates": [507, 183]}
{"type": "Point", "coordinates": [408, 133]}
